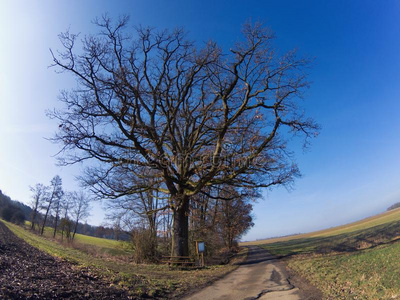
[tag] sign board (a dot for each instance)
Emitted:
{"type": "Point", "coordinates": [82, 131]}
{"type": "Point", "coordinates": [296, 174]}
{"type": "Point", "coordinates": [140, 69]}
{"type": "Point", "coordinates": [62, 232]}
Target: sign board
{"type": "Point", "coordinates": [200, 247]}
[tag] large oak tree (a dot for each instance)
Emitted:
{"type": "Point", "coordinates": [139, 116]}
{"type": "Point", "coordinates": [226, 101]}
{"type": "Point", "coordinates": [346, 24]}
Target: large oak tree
{"type": "Point", "coordinates": [159, 113]}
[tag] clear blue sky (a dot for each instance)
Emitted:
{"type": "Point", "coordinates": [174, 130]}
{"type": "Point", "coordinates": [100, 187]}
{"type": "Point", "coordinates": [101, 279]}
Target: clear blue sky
{"type": "Point", "coordinates": [352, 169]}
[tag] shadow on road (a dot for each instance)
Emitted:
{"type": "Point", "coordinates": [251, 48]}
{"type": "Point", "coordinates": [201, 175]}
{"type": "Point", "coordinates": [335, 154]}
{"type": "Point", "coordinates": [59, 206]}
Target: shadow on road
{"type": "Point", "coordinates": [257, 255]}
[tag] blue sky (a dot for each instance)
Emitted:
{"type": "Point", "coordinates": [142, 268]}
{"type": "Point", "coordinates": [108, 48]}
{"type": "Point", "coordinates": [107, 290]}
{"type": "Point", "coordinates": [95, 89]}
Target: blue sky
{"type": "Point", "coordinates": [351, 171]}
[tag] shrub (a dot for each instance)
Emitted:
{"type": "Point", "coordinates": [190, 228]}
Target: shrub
{"type": "Point", "coordinates": [144, 245]}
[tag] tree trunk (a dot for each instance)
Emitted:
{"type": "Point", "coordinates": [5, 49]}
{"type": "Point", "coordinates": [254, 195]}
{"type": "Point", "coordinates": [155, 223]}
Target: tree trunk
{"type": "Point", "coordinates": [55, 226]}
{"type": "Point", "coordinates": [76, 226]}
{"type": "Point", "coordinates": [33, 219]}
{"type": "Point", "coordinates": [45, 218]}
{"type": "Point", "coordinates": [180, 229]}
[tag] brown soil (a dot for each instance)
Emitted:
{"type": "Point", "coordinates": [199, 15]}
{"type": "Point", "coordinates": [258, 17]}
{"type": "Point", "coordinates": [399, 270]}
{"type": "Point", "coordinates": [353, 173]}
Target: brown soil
{"type": "Point", "coordinates": [306, 290]}
{"type": "Point", "coordinates": [28, 273]}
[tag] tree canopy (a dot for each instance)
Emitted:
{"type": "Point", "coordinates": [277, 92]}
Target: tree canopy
{"type": "Point", "coordinates": [160, 113]}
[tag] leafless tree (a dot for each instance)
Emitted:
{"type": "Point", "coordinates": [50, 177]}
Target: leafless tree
{"type": "Point", "coordinates": [80, 209]}
{"type": "Point", "coordinates": [180, 117]}
{"type": "Point", "coordinates": [135, 210]}
{"type": "Point", "coordinates": [66, 207]}
{"type": "Point", "coordinates": [221, 216]}
{"type": "Point", "coordinates": [235, 219]}
{"type": "Point", "coordinates": [58, 204]}
{"type": "Point", "coordinates": [55, 192]}
{"type": "Point", "coordinates": [39, 191]}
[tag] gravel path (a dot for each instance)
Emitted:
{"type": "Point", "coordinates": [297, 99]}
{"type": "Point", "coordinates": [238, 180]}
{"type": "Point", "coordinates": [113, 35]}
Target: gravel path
{"type": "Point", "coordinates": [262, 276]}
{"type": "Point", "coordinates": [28, 273]}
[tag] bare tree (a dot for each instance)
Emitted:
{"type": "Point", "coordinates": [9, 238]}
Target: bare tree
{"type": "Point", "coordinates": [80, 210]}
{"type": "Point", "coordinates": [66, 207]}
{"type": "Point", "coordinates": [192, 117]}
{"type": "Point", "coordinates": [54, 194]}
{"type": "Point", "coordinates": [235, 219]}
{"type": "Point", "coordinates": [39, 191]}
{"type": "Point", "coordinates": [137, 210]}
{"type": "Point", "coordinates": [58, 204]}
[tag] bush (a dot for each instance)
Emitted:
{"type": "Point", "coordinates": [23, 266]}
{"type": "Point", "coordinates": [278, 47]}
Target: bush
{"type": "Point", "coordinates": [66, 226]}
{"type": "Point", "coordinates": [144, 244]}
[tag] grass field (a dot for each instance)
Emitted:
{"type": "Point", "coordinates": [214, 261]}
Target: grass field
{"type": "Point", "coordinates": [143, 280]}
{"type": "Point", "coordinates": [360, 260]}
{"type": "Point", "coordinates": [384, 218]}
{"type": "Point", "coordinates": [93, 244]}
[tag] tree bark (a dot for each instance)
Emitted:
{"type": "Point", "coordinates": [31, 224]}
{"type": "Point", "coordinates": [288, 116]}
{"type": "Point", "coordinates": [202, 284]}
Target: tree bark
{"type": "Point", "coordinates": [45, 218]}
{"type": "Point", "coordinates": [33, 219]}
{"type": "Point", "coordinates": [180, 229]}
{"type": "Point", "coordinates": [55, 225]}
{"type": "Point", "coordinates": [76, 227]}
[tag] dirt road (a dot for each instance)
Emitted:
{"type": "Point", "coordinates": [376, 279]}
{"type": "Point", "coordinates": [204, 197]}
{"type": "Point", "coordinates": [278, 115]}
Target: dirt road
{"type": "Point", "coordinates": [260, 277]}
{"type": "Point", "coordinates": [27, 273]}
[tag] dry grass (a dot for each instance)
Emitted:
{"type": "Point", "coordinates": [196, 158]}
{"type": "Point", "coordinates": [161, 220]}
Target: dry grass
{"type": "Point", "coordinates": [386, 217]}
{"type": "Point", "coordinates": [360, 260]}
{"type": "Point", "coordinates": [143, 280]}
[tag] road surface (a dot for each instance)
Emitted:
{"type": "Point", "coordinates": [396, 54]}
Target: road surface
{"type": "Point", "coordinates": [262, 276]}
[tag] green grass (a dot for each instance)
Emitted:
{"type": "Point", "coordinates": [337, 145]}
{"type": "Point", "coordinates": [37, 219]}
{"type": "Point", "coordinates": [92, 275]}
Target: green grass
{"type": "Point", "coordinates": [360, 260]}
{"type": "Point", "coordinates": [97, 245]}
{"type": "Point", "coordinates": [144, 279]}
{"type": "Point", "coordinates": [345, 242]}
{"type": "Point", "coordinates": [368, 274]}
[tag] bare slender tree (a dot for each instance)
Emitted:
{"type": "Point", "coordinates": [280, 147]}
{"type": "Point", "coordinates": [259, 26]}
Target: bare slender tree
{"type": "Point", "coordinates": [58, 204]}
{"type": "Point", "coordinates": [66, 207]}
{"type": "Point", "coordinates": [54, 194]}
{"type": "Point", "coordinates": [39, 191]}
{"type": "Point", "coordinates": [80, 210]}
{"type": "Point", "coordinates": [192, 117]}
{"type": "Point", "coordinates": [235, 219]}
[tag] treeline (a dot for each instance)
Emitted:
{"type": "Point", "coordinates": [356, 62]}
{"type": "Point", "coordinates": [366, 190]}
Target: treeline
{"type": "Point", "coordinates": [17, 212]}
{"type": "Point", "coordinates": [13, 211]}
{"type": "Point", "coordinates": [394, 206]}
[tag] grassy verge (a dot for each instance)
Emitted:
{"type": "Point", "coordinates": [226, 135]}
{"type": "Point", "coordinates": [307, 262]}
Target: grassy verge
{"type": "Point", "coordinates": [361, 261]}
{"type": "Point", "coordinates": [368, 274]}
{"type": "Point", "coordinates": [143, 280]}
{"type": "Point", "coordinates": [93, 244]}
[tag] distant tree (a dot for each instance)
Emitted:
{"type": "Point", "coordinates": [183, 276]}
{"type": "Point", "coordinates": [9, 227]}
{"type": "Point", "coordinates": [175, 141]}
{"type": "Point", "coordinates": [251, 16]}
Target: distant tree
{"type": "Point", "coordinates": [5, 201]}
{"type": "Point", "coordinates": [116, 227]}
{"type": "Point", "coordinates": [235, 219]}
{"type": "Point", "coordinates": [66, 226]}
{"type": "Point", "coordinates": [138, 210]}
{"type": "Point", "coordinates": [66, 206]}
{"type": "Point", "coordinates": [13, 214]}
{"type": "Point", "coordinates": [220, 221]}
{"type": "Point", "coordinates": [39, 191]}
{"type": "Point", "coordinates": [100, 231]}
{"type": "Point", "coordinates": [394, 206]}
{"type": "Point", "coordinates": [87, 229]}
{"type": "Point", "coordinates": [54, 193]}
{"type": "Point", "coordinates": [58, 204]}
{"type": "Point", "coordinates": [192, 117]}
{"type": "Point", "coordinates": [80, 210]}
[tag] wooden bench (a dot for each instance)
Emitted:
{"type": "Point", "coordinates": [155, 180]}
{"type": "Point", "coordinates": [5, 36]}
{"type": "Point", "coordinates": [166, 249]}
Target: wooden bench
{"type": "Point", "coordinates": [180, 261]}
